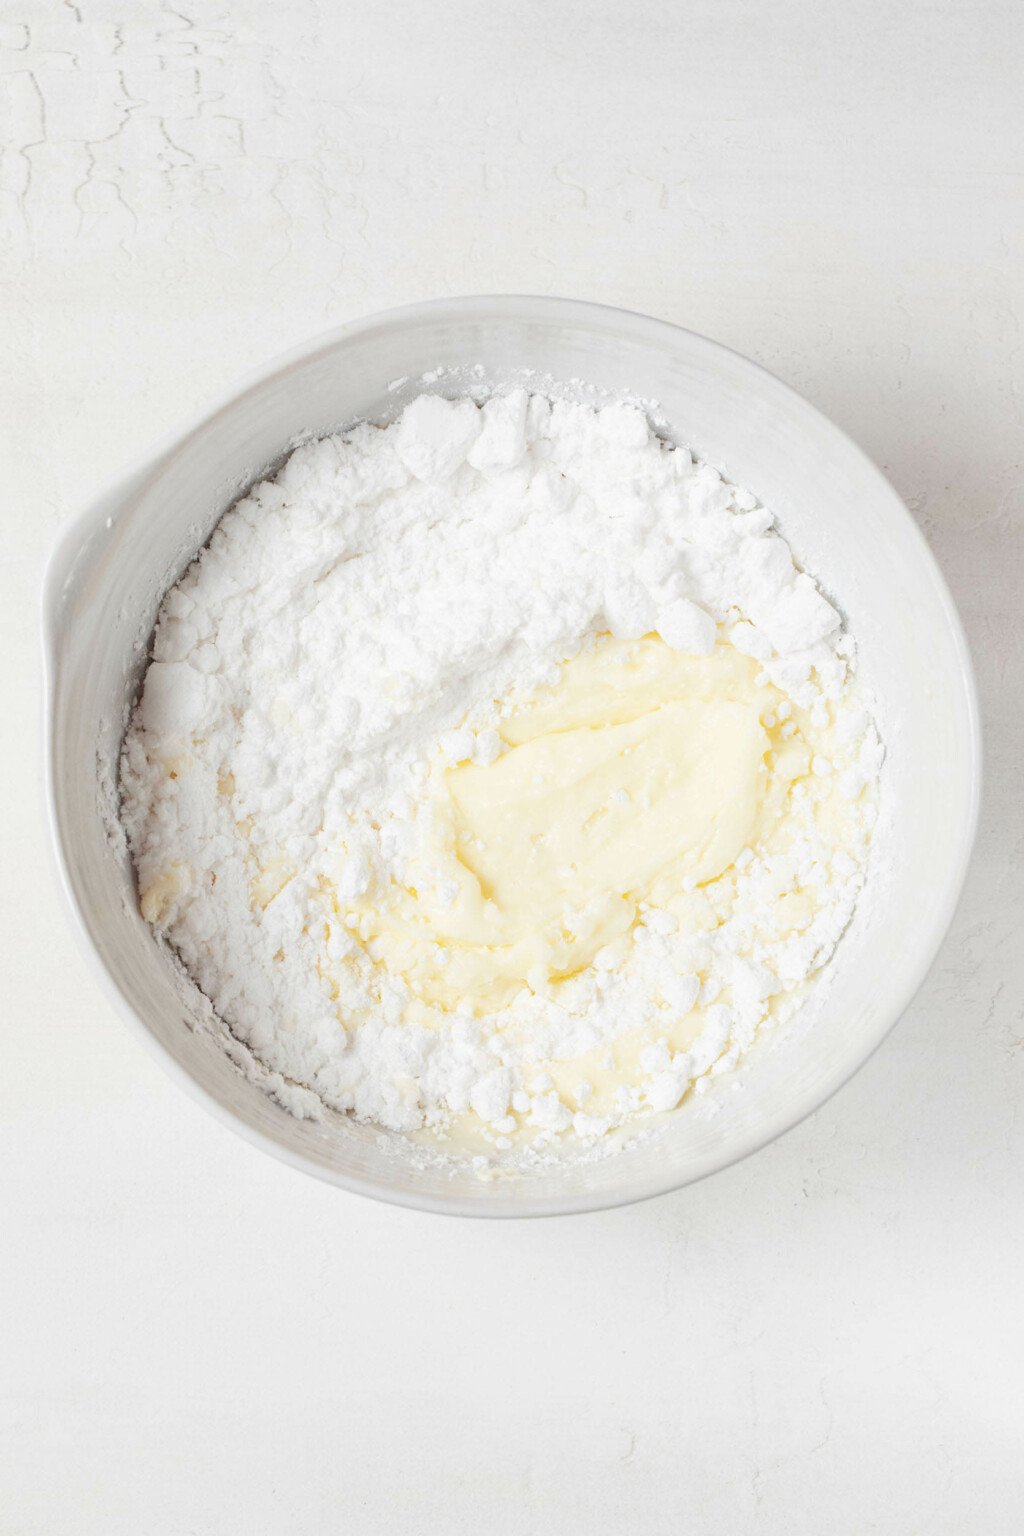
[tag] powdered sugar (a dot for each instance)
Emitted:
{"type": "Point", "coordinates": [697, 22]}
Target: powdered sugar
{"type": "Point", "coordinates": [370, 608]}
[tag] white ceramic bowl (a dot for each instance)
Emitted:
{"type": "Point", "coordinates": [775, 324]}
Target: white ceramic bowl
{"type": "Point", "coordinates": [847, 527]}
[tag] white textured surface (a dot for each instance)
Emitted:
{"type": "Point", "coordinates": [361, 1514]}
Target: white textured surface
{"type": "Point", "coordinates": [825, 1338]}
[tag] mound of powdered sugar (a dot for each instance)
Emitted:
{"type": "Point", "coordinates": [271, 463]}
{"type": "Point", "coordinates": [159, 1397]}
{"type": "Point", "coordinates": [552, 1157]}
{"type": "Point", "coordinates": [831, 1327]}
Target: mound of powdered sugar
{"type": "Point", "coordinates": [361, 612]}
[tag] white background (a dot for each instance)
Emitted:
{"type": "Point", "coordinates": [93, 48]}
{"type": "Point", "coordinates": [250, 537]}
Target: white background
{"type": "Point", "coordinates": [827, 1339]}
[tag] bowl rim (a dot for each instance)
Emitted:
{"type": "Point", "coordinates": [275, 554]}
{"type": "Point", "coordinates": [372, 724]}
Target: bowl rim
{"type": "Point", "coordinates": [71, 541]}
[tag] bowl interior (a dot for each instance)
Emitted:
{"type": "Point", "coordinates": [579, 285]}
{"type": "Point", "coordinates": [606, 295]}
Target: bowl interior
{"type": "Point", "coordinates": [845, 525]}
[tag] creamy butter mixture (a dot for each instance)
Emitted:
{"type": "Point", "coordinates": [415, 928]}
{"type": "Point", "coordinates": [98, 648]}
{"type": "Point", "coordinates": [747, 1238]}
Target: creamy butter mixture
{"type": "Point", "coordinates": [641, 775]}
{"type": "Point", "coordinates": [497, 775]}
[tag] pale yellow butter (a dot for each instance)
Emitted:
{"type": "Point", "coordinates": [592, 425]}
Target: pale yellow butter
{"type": "Point", "coordinates": [641, 774]}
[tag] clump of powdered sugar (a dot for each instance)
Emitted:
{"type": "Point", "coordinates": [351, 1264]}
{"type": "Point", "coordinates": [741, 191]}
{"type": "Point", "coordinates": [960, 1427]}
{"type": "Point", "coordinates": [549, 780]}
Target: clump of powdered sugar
{"type": "Point", "coordinates": [362, 609]}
